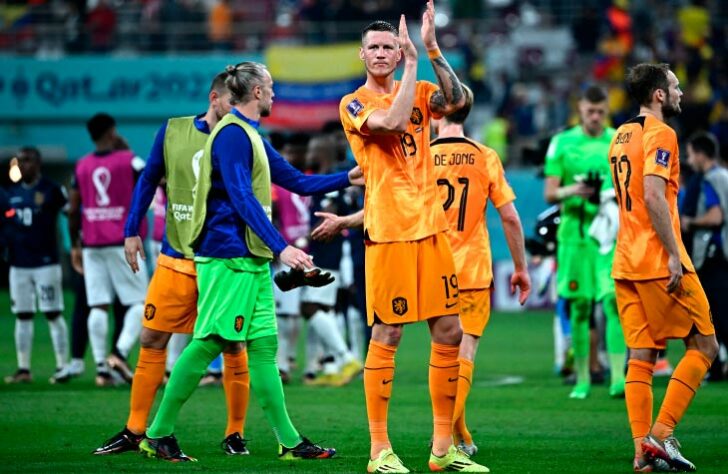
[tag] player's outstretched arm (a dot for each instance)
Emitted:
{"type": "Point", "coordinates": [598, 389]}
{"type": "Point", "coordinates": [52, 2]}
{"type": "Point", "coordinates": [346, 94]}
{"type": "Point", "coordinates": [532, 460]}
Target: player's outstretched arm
{"type": "Point", "coordinates": [331, 225]}
{"type": "Point", "coordinates": [396, 119]}
{"type": "Point", "coordinates": [659, 212]}
{"type": "Point", "coordinates": [514, 237]}
{"type": "Point", "coordinates": [450, 97]}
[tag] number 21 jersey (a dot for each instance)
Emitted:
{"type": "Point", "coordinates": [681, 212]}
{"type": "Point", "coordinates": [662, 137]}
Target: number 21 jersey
{"type": "Point", "coordinates": [401, 202]}
{"type": "Point", "coordinates": [644, 146]}
{"type": "Point", "coordinates": [468, 175]}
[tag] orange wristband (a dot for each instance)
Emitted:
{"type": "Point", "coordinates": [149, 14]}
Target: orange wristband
{"type": "Point", "coordinates": [434, 53]}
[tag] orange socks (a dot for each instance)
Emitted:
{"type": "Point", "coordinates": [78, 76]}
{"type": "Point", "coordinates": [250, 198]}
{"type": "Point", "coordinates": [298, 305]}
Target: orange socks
{"type": "Point", "coordinates": [680, 391]}
{"type": "Point", "coordinates": [638, 395]}
{"type": "Point", "coordinates": [147, 378]}
{"type": "Point", "coordinates": [236, 382]}
{"type": "Point", "coordinates": [378, 377]}
{"type": "Point", "coordinates": [444, 368]}
{"type": "Point", "coordinates": [465, 380]}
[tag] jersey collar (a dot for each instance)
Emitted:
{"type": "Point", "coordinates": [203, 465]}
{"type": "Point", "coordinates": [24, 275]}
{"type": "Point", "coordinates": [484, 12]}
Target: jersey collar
{"type": "Point", "coordinates": [237, 113]}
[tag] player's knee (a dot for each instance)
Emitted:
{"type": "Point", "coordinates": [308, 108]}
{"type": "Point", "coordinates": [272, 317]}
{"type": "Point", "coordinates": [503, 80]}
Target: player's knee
{"type": "Point", "coordinates": [709, 346]}
{"type": "Point", "coordinates": [446, 330]}
{"type": "Point", "coordinates": [646, 355]}
{"type": "Point", "coordinates": [152, 339]}
{"type": "Point", "coordinates": [386, 334]}
{"type": "Point", "coordinates": [24, 316]}
{"type": "Point", "coordinates": [234, 348]}
{"type": "Point", "coordinates": [580, 310]}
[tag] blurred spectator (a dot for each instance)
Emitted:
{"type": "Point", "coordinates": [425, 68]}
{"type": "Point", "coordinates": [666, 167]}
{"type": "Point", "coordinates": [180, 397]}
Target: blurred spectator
{"type": "Point", "coordinates": [220, 25]}
{"type": "Point", "coordinates": [495, 134]}
{"type": "Point", "coordinates": [585, 30]}
{"type": "Point", "coordinates": [101, 26]}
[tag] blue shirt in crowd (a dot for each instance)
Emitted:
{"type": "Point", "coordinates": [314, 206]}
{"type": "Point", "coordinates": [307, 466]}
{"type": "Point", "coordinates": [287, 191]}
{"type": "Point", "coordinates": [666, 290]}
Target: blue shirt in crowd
{"type": "Point", "coordinates": [32, 221]}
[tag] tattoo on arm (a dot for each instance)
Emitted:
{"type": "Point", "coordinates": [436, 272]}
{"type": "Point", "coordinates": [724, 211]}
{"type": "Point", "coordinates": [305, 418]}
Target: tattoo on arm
{"type": "Point", "coordinates": [438, 102]}
{"type": "Point", "coordinates": [449, 83]}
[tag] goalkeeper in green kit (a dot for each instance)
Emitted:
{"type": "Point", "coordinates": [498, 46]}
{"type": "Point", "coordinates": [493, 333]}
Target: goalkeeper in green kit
{"type": "Point", "coordinates": [234, 243]}
{"type": "Point", "coordinates": [578, 178]}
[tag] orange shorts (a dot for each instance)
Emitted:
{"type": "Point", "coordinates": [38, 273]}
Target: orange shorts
{"type": "Point", "coordinates": [650, 315]}
{"type": "Point", "coordinates": [410, 281]}
{"type": "Point", "coordinates": [474, 311]}
{"type": "Point", "coordinates": [171, 304]}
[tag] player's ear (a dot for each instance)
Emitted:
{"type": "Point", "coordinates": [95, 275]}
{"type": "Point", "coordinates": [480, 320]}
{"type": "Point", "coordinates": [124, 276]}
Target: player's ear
{"type": "Point", "coordinates": [361, 53]}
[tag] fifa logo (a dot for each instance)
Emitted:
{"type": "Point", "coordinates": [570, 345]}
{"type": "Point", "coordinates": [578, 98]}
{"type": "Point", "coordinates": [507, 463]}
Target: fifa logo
{"type": "Point", "coordinates": [101, 178]}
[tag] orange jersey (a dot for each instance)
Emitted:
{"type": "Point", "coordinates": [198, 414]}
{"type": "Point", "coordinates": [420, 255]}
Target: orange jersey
{"type": "Point", "coordinates": [644, 146]}
{"type": "Point", "coordinates": [401, 194]}
{"type": "Point", "coordinates": [468, 175]}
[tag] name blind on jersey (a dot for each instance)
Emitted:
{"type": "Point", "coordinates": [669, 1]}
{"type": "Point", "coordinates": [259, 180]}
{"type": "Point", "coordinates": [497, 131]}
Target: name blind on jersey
{"type": "Point", "coordinates": [454, 159]}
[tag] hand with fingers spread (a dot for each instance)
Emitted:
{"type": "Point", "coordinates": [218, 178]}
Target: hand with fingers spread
{"type": "Point", "coordinates": [521, 280]}
{"type": "Point", "coordinates": [132, 247]}
{"type": "Point", "coordinates": [408, 47]}
{"type": "Point", "coordinates": [428, 27]}
{"type": "Point", "coordinates": [331, 225]}
{"type": "Point", "coordinates": [296, 258]}
{"type": "Point", "coordinates": [676, 273]}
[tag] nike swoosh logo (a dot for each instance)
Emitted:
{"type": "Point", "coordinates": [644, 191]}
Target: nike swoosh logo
{"type": "Point", "coordinates": [452, 379]}
{"type": "Point", "coordinates": [385, 382]}
{"type": "Point", "coordinates": [448, 306]}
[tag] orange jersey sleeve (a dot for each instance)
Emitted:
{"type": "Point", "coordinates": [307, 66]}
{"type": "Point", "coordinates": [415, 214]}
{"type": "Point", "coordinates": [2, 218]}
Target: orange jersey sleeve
{"type": "Point", "coordinates": [642, 147]}
{"type": "Point", "coordinates": [468, 175]}
{"type": "Point", "coordinates": [400, 202]}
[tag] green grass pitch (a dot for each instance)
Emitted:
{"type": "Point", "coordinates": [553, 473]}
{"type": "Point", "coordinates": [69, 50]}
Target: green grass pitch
{"type": "Point", "coordinates": [518, 412]}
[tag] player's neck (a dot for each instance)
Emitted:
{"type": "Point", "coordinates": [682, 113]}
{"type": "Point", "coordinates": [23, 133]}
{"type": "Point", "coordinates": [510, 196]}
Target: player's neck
{"type": "Point", "coordinates": [587, 132]}
{"type": "Point", "coordinates": [210, 118]}
{"type": "Point", "coordinates": [31, 183]}
{"type": "Point", "coordinates": [249, 110]}
{"type": "Point", "coordinates": [654, 111]}
{"type": "Point", "coordinates": [104, 146]}
{"type": "Point", "coordinates": [380, 85]}
{"type": "Point", "coordinates": [449, 130]}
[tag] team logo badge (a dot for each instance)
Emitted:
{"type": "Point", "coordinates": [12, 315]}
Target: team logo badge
{"type": "Point", "coordinates": [399, 306]}
{"type": "Point", "coordinates": [355, 107]}
{"type": "Point", "coordinates": [573, 285]}
{"type": "Point", "coordinates": [149, 311]}
{"type": "Point", "coordinates": [416, 117]}
{"type": "Point", "coordinates": [662, 157]}
{"type": "Point", "coordinates": [239, 323]}
{"type": "Point", "coordinates": [39, 198]}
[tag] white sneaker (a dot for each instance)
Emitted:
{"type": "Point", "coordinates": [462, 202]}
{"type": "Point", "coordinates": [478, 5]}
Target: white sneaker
{"type": "Point", "coordinates": [62, 375]}
{"type": "Point", "coordinates": [76, 367]}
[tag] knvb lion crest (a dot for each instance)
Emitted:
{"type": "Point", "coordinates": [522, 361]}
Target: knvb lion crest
{"type": "Point", "coordinates": [149, 311]}
{"type": "Point", "coordinates": [239, 323]}
{"type": "Point", "coordinates": [416, 117]}
{"type": "Point", "coordinates": [399, 306]}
